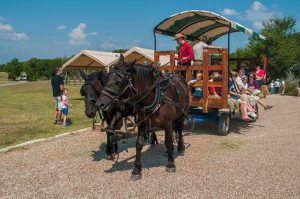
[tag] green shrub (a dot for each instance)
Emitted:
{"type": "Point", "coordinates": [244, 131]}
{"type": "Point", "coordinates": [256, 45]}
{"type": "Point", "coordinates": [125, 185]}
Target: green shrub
{"type": "Point", "coordinates": [291, 85]}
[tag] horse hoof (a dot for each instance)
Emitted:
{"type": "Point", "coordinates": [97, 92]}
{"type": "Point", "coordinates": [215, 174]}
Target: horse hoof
{"type": "Point", "coordinates": [109, 157]}
{"type": "Point", "coordinates": [170, 169]}
{"type": "Point", "coordinates": [135, 177]}
{"type": "Point", "coordinates": [181, 151]}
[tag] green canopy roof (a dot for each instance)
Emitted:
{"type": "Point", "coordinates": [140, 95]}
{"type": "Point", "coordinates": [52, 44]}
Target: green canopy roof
{"type": "Point", "coordinates": [194, 23]}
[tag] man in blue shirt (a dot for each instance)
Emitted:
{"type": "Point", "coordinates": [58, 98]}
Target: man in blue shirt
{"type": "Point", "coordinates": [57, 84]}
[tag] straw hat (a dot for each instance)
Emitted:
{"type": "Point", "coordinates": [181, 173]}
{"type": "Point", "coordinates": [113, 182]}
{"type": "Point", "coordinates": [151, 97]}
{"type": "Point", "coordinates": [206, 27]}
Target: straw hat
{"type": "Point", "coordinates": [179, 35]}
{"type": "Point", "coordinates": [244, 77]}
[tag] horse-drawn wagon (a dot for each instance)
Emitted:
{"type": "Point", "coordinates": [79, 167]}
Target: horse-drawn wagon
{"type": "Point", "coordinates": [194, 24]}
{"type": "Point", "coordinates": [158, 100]}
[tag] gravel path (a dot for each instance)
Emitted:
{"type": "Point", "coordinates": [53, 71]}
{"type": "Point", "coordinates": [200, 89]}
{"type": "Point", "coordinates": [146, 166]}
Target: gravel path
{"type": "Point", "coordinates": [259, 160]}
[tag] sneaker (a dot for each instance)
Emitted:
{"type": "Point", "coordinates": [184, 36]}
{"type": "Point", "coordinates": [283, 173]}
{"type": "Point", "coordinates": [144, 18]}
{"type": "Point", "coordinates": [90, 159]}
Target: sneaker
{"type": "Point", "coordinates": [64, 124]}
{"type": "Point", "coordinates": [54, 121]}
{"type": "Point", "coordinates": [268, 107]}
{"type": "Point", "coordinates": [252, 114]}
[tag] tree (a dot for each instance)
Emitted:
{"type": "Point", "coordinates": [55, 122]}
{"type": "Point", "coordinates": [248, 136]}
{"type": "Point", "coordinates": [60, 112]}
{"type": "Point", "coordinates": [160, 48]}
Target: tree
{"type": "Point", "coordinates": [2, 67]}
{"type": "Point", "coordinates": [14, 68]}
{"type": "Point", "coordinates": [121, 50]}
{"type": "Point", "coordinates": [280, 46]}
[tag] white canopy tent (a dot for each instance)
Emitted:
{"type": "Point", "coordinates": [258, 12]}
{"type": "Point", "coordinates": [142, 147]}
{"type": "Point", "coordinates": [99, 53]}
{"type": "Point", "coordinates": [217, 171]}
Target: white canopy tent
{"type": "Point", "coordinates": [89, 59]}
{"type": "Point", "coordinates": [142, 56]}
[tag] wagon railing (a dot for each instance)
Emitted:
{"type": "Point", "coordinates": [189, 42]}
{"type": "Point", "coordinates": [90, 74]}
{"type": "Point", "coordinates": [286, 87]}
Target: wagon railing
{"type": "Point", "coordinates": [207, 101]}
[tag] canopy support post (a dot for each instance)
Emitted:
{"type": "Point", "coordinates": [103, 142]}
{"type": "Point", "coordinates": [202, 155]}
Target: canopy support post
{"type": "Point", "coordinates": [228, 42]}
{"type": "Point", "coordinates": [228, 46]}
{"type": "Point", "coordinates": [154, 35]}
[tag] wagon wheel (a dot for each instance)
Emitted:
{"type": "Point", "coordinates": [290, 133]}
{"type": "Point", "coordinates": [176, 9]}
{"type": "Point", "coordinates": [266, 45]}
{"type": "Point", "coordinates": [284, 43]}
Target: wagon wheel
{"type": "Point", "coordinates": [224, 122]}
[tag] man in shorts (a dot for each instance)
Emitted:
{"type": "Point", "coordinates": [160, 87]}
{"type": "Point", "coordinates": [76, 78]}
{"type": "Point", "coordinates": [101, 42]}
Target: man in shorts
{"type": "Point", "coordinates": [57, 84]}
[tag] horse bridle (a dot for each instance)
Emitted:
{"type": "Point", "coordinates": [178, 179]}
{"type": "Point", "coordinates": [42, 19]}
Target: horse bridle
{"type": "Point", "coordinates": [133, 98]}
{"type": "Point", "coordinates": [115, 96]}
{"type": "Point", "coordinates": [88, 99]}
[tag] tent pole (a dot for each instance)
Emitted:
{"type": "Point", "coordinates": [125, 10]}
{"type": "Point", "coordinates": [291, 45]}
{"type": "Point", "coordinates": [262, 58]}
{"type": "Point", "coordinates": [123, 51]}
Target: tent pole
{"type": "Point", "coordinates": [67, 78]}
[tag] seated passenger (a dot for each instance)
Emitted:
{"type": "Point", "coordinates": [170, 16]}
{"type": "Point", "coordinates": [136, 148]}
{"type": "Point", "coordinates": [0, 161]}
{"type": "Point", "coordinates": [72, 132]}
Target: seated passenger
{"type": "Point", "coordinates": [252, 94]}
{"type": "Point", "coordinates": [253, 85]}
{"type": "Point", "coordinates": [244, 68]}
{"type": "Point", "coordinates": [239, 80]}
{"type": "Point", "coordinates": [215, 91]}
{"type": "Point", "coordinates": [245, 84]}
{"type": "Point", "coordinates": [237, 98]}
{"type": "Point", "coordinates": [198, 90]}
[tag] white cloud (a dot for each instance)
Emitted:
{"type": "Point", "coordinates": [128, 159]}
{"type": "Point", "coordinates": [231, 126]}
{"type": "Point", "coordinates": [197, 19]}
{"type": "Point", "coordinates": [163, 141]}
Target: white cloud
{"type": "Point", "coordinates": [19, 36]}
{"type": "Point", "coordinates": [94, 33]}
{"type": "Point", "coordinates": [61, 27]}
{"type": "Point", "coordinates": [228, 11]}
{"type": "Point", "coordinates": [7, 32]}
{"type": "Point", "coordinates": [5, 27]}
{"type": "Point", "coordinates": [257, 13]}
{"type": "Point", "coordinates": [77, 37]}
{"type": "Point", "coordinates": [111, 44]}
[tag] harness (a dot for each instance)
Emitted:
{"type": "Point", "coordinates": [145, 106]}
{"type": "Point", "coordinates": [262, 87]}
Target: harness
{"type": "Point", "coordinates": [135, 99]}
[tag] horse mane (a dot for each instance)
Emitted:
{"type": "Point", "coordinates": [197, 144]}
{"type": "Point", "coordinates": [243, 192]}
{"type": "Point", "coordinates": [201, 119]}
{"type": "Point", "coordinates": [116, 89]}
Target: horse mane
{"type": "Point", "coordinates": [143, 77]}
{"type": "Point", "coordinates": [98, 79]}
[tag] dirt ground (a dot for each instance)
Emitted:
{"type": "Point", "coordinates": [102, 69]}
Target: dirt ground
{"type": "Point", "coordinates": [257, 160]}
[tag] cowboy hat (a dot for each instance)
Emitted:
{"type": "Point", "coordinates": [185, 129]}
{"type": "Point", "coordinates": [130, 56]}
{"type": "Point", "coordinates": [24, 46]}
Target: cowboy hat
{"type": "Point", "coordinates": [179, 35]}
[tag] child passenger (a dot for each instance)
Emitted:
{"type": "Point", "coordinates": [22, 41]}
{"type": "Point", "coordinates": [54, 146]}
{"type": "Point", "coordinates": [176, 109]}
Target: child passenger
{"type": "Point", "coordinates": [215, 91]}
{"type": "Point", "coordinates": [198, 90]}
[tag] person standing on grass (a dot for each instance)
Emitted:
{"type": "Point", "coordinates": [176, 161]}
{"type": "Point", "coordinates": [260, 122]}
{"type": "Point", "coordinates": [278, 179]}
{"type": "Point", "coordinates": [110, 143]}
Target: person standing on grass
{"type": "Point", "coordinates": [65, 106]}
{"type": "Point", "coordinates": [57, 84]}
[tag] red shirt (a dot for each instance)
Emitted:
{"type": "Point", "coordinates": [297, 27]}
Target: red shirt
{"type": "Point", "coordinates": [260, 73]}
{"type": "Point", "coordinates": [185, 50]}
{"type": "Point", "coordinates": [213, 90]}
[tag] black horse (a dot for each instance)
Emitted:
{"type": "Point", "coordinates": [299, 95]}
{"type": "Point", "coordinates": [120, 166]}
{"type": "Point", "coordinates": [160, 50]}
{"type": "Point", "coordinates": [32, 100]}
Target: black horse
{"type": "Point", "coordinates": [91, 90]}
{"type": "Point", "coordinates": [160, 101]}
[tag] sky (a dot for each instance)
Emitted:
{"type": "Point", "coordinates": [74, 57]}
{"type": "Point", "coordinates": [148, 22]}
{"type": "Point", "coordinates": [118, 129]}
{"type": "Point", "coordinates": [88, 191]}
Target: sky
{"type": "Point", "coordinates": [56, 28]}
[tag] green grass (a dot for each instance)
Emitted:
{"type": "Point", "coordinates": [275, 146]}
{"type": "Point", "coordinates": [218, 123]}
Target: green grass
{"type": "Point", "coordinates": [3, 78]}
{"type": "Point", "coordinates": [229, 144]}
{"type": "Point", "coordinates": [27, 112]}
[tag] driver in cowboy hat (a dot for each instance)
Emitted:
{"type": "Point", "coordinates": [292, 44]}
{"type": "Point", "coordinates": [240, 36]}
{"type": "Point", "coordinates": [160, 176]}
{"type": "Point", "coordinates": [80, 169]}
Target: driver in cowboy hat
{"type": "Point", "coordinates": [185, 52]}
